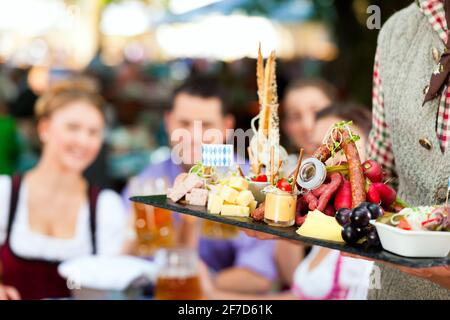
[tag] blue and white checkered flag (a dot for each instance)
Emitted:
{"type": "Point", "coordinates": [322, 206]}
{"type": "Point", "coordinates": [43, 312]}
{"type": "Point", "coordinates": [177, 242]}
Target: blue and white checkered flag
{"type": "Point", "coordinates": [217, 155]}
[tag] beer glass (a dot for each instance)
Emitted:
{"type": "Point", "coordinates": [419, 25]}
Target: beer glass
{"type": "Point", "coordinates": [177, 277]}
{"type": "Point", "coordinates": [154, 227]}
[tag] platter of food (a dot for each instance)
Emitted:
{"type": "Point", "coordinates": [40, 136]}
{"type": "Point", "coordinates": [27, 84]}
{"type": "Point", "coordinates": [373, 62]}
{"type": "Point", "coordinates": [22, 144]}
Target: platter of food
{"type": "Point", "coordinates": [331, 198]}
{"type": "Point", "coordinates": [290, 233]}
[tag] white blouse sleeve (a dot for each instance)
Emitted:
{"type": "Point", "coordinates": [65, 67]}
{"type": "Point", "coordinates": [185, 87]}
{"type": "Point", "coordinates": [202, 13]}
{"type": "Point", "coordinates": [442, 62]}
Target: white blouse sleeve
{"type": "Point", "coordinates": [355, 275]}
{"type": "Point", "coordinates": [5, 194]}
{"type": "Point", "coordinates": [111, 223]}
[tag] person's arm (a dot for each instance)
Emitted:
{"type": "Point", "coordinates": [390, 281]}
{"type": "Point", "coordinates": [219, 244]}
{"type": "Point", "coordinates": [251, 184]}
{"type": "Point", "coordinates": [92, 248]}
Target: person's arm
{"type": "Point", "coordinates": [288, 256]}
{"type": "Point", "coordinates": [211, 292]}
{"type": "Point", "coordinates": [379, 146]}
{"type": "Point", "coordinates": [242, 280]}
{"type": "Point", "coordinates": [254, 267]}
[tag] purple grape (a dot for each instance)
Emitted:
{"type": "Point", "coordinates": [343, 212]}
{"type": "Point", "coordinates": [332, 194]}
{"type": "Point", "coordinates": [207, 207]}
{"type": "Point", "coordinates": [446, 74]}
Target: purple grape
{"type": "Point", "coordinates": [375, 211]}
{"type": "Point", "coordinates": [364, 205]}
{"type": "Point", "coordinates": [362, 232]}
{"type": "Point", "coordinates": [360, 217]}
{"type": "Point", "coordinates": [372, 239]}
{"type": "Point", "coordinates": [343, 216]}
{"type": "Point", "coordinates": [349, 234]}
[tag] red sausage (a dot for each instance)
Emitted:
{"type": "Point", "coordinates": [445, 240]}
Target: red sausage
{"type": "Point", "coordinates": [311, 200]}
{"type": "Point", "coordinates": [355, 169]}
{"type": "Point", "coordinates": [329, 191]}
{"type": "Point", "coordinates": [317, 192]}
{"type": "Point", "coordinates": [258, 213]}
{"type": "Point", "coordinates": [323, 153]}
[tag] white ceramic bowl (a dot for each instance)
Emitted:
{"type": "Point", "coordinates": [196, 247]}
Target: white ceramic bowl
{"type": "Point", "coordinates": [256, 188]}
{"type": "Point", "coordinates": [417, 244]}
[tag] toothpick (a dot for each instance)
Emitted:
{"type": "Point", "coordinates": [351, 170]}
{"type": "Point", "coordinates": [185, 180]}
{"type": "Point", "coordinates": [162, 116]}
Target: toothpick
{"type": "Point", "coordinates": [297, 169]}
{"type": "Point", "coordinates": [241, 173]}
{"type": "Point", "coordinates": [280, 162]}
{"type": "Point", "coordinates": [259, 170]}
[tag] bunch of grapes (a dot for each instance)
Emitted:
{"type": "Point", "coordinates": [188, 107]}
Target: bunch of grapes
{"type": "Point", "coordinates": [356, 223]}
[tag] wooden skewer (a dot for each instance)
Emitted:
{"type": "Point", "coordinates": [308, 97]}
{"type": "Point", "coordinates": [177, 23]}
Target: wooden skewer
{"type": "Point", "coordinates": [272, 152]}
{"type": "Point", "coordinates": [280, 162]}
{"type": "Point", "coordinates": [297, 169]}
{"type": "Point", "coordinates": [241, 173]}
{"type": "Point", "coordinates": [259, 170]}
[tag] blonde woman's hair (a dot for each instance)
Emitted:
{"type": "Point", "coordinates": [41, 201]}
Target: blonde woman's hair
{"type": "Point", "coordinates": [64, 92]}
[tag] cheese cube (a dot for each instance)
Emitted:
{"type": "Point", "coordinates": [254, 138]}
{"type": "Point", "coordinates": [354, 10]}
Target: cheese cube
{"type": "Point", "coordinates": [244, 198]}
{"type": "Point", "coordinates": [229, 194]}
{"type": "Point", "coordinates": [253, 205]}
{"type": "Point", "coordinates": [215, 203]}
{"type": "Point", "coordinates": [238, 183]}
{"type": "Point", "coordinates": [235, 211]}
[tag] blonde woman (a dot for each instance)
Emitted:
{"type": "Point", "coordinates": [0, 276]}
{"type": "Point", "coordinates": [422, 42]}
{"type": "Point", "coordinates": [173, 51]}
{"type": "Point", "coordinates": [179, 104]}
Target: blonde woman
{"type": "Point", "coordinates": [52, 214]}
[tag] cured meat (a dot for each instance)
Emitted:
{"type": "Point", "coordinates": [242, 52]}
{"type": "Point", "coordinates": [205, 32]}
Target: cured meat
{"type": "Point", "coordinates": [355, 169]}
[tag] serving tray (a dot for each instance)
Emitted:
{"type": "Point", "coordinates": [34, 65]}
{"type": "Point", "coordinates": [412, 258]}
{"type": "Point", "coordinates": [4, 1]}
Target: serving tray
{"type": "Point", "coordinates": [161, 201]}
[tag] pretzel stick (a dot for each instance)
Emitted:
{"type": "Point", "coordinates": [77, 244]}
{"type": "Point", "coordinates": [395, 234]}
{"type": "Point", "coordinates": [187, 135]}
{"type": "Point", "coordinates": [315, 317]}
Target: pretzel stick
{"type": "Point", "coordinates": [241, 173]}
{"type": "Point", "coordinates": [260, 75]}
{"type": "Point", "coordinates": [280, 162]}
{"type": "Point", "coordinates": [269, 78]}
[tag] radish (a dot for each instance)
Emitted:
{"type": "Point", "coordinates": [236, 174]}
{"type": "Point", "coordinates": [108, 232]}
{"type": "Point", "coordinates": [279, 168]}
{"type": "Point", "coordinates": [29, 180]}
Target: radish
{"type": "Point", "coordinates": [373, 195]}
{"type": "Point", "coordinates": [373, 171]}
{"type": "Point", "coordinates": [387, 194]}
{"type": "Point", "coordinates": [343, 198]}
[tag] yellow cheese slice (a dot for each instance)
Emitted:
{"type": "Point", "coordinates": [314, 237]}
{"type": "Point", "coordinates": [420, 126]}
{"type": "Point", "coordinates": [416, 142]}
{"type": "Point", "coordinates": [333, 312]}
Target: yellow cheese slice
{"type": "Point", "coordinates": [229, 194]}
{"type": "Point", "coordinates": [215, 203]}
{"type": "Point", "coordinates": [238, 183]}
{"type": "Point", "coordinates": [253, 205]}
{"type": "Point", "coordinates": [244, 198]}
{"type": "Point", "coordinates": [320, 226]}
{"type": "Point", "coordinates": [235, 211]}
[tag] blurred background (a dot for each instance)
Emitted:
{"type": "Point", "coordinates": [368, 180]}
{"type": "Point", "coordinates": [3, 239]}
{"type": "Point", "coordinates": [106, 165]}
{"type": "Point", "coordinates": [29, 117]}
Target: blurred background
{"type": "Point", "coordinates": [138, 51]}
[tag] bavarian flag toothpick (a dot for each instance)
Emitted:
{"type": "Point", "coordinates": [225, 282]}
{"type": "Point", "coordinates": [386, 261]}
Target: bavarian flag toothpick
{"type": "Point", "coordinates": [217, 155]}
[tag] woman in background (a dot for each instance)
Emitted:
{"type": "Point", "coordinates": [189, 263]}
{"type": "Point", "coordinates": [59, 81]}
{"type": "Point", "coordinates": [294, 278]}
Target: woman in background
{"type": "Point", "coordinates": [51, 214]}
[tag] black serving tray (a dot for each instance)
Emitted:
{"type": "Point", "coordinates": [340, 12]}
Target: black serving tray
{"type": "Point", "coordinates": [161, 201]}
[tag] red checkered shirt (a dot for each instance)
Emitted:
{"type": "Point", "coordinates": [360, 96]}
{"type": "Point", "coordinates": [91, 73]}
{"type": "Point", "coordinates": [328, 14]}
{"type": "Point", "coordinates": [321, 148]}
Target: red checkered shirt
{"type": "Point", "coordinates": [380, 143]}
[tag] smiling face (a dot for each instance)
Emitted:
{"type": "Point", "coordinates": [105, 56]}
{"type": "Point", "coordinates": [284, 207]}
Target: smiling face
{"type": "Point", "coordinates": [72, 135]}
{"type": "Point", "coordinates": [201, 119]}
{"type": "Point", "coordinates": [301, 106]}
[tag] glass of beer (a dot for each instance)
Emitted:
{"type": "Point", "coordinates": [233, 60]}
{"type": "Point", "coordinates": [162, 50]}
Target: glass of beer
{"type": "Point", "coordinates": [219, 231]}
{"type": "Point", "coordinates": [178, 277]}
{"type": "Point", "coordinates": [154, 227]}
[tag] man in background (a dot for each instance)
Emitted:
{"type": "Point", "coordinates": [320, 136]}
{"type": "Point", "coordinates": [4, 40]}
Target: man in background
{"type": "Point", "coordinates": [241, 264]}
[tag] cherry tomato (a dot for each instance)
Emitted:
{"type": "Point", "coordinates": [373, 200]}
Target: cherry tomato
{"type": "Point", "coordinates": [404, 225]}
{"type": "Point", "coordinates": [284, 185]}
{"type": "Point", "coordinates": [260, 178]}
